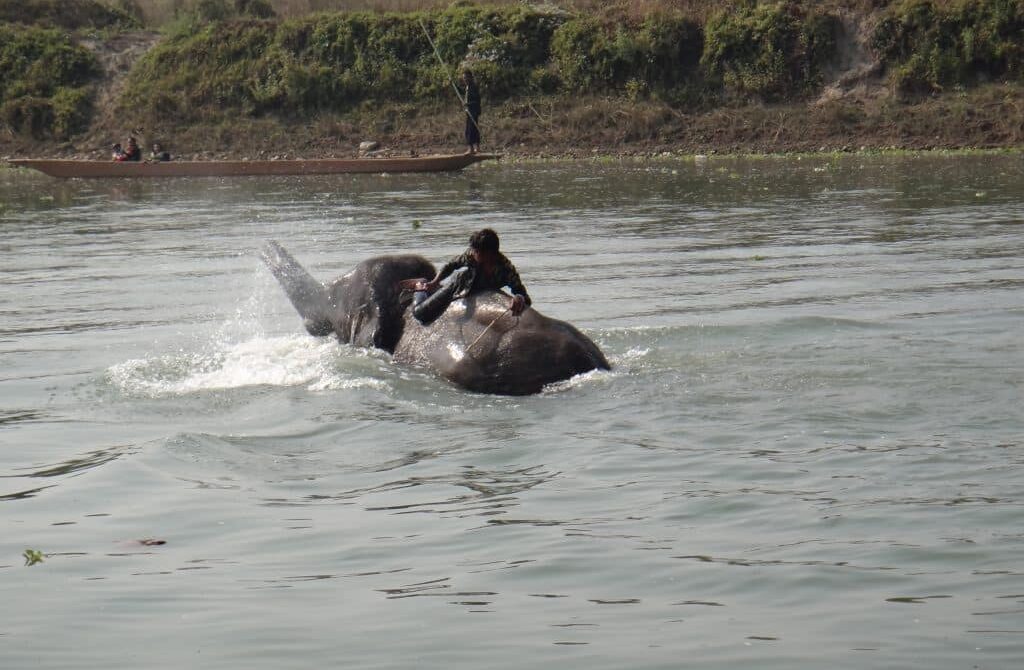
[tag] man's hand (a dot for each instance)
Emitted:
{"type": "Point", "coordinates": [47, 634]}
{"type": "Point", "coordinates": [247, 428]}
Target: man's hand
{"type": "Point", "coordinates": [518, 304]}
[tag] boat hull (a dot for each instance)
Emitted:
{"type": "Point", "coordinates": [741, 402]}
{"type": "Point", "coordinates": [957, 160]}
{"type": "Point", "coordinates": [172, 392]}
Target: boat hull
{"type": "Point", "coordinates": [108, 169]}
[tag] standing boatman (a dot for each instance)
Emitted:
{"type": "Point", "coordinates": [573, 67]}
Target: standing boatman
{"type": "Point", "coordinates": [472, 99]}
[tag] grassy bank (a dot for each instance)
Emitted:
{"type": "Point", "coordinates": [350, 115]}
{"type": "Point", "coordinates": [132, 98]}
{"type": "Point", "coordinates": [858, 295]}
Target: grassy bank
{"type": "Point", "coordinates": [44, 82]}
{"type": "Point", "coordinates": [340, 62]}
{"type": "Point", "coordinates": [256, 77]}
{"type": "Point", "coordinates": [67, 14]}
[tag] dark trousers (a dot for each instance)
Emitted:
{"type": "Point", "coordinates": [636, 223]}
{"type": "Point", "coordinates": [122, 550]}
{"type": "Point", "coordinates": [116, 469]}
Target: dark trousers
{"type": "Point", "coordinates": [472, 126]}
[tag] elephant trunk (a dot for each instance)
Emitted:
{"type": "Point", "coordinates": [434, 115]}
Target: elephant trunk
{"type": "Point", "coordinates": [309, 296]}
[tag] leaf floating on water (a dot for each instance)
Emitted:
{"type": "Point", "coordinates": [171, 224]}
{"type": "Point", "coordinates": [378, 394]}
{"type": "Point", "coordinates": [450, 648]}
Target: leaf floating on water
{"type": "Point", "coordinates": [33, 556]}
{"type": "Point", "coordinates": [707, 603]}
{"type": "Point", "coordinates": [625, 601]}
{"type": "Point", "coordinates": [913, 600]}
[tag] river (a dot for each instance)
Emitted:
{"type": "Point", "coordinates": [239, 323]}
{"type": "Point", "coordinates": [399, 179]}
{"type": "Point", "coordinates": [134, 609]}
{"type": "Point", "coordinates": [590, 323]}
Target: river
{"type": "Point", "coordinates": [805, 456]}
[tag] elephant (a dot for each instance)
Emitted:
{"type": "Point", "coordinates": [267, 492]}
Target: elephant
{"type": "Point", "coordinates": [477, 343]}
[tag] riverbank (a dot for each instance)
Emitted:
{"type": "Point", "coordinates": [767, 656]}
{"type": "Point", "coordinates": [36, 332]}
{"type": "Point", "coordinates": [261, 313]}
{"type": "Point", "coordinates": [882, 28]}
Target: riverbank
{"type": "Point", "coordinates": [765, 78]}
{"type": "Point", "coordinates": [990, 117]}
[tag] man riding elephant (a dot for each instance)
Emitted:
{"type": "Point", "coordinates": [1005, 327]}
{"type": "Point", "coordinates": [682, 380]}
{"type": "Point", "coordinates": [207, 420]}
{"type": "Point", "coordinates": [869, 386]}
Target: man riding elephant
{"type": "Point", "coordinates": [481, 267]}
{"type": "Point", "coordinates": [484, 340]}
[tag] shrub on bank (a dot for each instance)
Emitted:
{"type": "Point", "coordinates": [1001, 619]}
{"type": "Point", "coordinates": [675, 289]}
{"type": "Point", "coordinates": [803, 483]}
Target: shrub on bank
{"type": "Point", "coordinates": [769, 51]}
{"type": "Point", "coordinates": [67, 14]}
{"type": "Point", "coordinates": [222, 10]}
{"type": "Point", "coordinates": [340, 61]}
{"type": "Point", "coordinates": [229, 58]}
{"type": "Point", "coordinates": [44, 81]}
{"type": "Point", "coordinates": [592, 55]}
{"type": "Point", "coordinates": [929, 46]}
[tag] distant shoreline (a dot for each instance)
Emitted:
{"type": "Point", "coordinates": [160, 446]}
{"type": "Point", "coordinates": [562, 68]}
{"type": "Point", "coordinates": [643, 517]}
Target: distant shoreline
{"type": "Point", "coordinates": [735, 78]}
{"type": "Point", "coordinates": [665, 156]}
{"type": "Point", "coordinates": [982, 119]}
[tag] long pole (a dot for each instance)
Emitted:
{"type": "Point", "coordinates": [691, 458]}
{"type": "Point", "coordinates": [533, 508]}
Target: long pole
{"type": "Point", "coordinates": [448, 74]}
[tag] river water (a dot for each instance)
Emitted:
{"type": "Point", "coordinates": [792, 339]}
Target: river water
{"type": "Point", "coordinates": [807, 454]}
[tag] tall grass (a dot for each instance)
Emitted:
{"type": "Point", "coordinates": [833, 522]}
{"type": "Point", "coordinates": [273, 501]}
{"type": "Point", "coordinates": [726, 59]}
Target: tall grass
{"type": "Point", "coordinates": [223, 60]}
{"type": "Point", "coordinates": [338, 62]}
{"type": "Point", "coordinates": [44, 82]}
{"type": "Point", "coordinates": [749, 51]}
{"type": "Point", "coordinates": [71, 15]}
{"type": "Point", "coordinates": [769, 51]}
{"type": "Point", "coordinates": [931, 45]}
{"type": "Point", "coordinates": [161, 12]}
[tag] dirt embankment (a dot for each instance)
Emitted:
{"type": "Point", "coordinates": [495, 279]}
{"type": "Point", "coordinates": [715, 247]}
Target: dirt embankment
{"type": "Point", "coordinates": [116, 56]}
{"type": "Point", "coordinates": [856, 110]}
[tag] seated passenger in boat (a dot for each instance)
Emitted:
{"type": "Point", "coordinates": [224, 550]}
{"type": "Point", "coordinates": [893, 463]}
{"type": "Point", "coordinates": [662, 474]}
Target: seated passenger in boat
{"type": "Point", "coordinates": [481, 267]}
{"type": "Point", "coordinates": [158, 155]}
{"type": "Point", "coordinates": [132, 152]}
{"type": "Point", "coordinates": [117, 153]}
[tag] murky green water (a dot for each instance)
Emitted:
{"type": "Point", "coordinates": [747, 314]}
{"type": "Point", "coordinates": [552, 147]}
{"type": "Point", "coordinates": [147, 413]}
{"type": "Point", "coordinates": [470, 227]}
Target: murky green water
{"type": "Point", "coordinates": [808, 454]}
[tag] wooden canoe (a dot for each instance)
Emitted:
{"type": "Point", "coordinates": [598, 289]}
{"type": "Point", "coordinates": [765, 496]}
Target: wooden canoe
{"type": "Point", "coordinates": [96, 169]}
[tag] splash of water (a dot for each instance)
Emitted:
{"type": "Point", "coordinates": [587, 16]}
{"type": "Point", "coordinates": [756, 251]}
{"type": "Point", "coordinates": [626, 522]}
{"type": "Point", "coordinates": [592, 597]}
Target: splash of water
{"type": "Point", "coordinates": [291, 360]}
{"type": "Point", "coordinates": [241, 354]}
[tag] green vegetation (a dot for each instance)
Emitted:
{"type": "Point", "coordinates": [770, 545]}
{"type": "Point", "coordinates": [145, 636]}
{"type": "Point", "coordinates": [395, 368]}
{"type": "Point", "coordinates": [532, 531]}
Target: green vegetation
{"type": "Point", "coordinates": [222, 10]}
{"type": "Point", "coordinates": [67, 14]}
{"type": "Point", "coordinates": [228, 65]}
{"type": "Point", "coordinates": [929, 45]}
{"type": "Point", "coordinates": [46, 76]}
{"type": "Point", "coordinates": [337, 62]}
{"type": "Point", "coordinates": [44, 82]}
{"type": "Point", "coordinates": [770, 51]}
{"type": "Point", "coordinates": [33, 556]}
{"type": "Point", "coordinates": [661, 54]}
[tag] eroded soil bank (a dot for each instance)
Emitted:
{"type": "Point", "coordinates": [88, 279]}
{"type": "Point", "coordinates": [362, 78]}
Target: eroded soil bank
{"type": "Point", "coordinates": [985, 118]}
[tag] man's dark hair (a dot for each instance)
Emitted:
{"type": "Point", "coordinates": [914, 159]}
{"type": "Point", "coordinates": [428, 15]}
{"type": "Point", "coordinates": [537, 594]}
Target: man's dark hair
{"type": "Point", "coordinates": [484, 240]}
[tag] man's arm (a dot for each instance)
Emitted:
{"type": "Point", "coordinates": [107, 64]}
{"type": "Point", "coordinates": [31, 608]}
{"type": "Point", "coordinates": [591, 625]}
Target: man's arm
{"type": "Point", "coordinates": [448, 268]}
{"type": "Point", "coordinates": [513, 281]}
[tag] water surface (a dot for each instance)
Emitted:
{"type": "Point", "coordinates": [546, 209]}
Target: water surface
{"type": "Point", "coordinates": [807, 454]}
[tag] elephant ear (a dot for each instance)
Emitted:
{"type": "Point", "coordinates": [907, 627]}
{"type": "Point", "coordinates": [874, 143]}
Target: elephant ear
{"type": "Point", "coordinates": [309, 296]}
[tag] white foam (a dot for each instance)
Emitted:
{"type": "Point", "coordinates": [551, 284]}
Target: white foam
{"type": "Point", "coordinates": [631, 356]}
{"type": "Point", "coordinates": [586, 379]}
{"type": "Point", "coordinates": [340, 382]}
{"type": "Point", "coordinates": [292, 360]}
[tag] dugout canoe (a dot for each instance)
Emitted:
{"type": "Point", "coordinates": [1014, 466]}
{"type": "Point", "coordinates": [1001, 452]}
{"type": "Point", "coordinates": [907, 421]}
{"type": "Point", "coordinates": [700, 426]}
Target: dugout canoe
{"type": "Point", "coordinates": [99, 169]}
